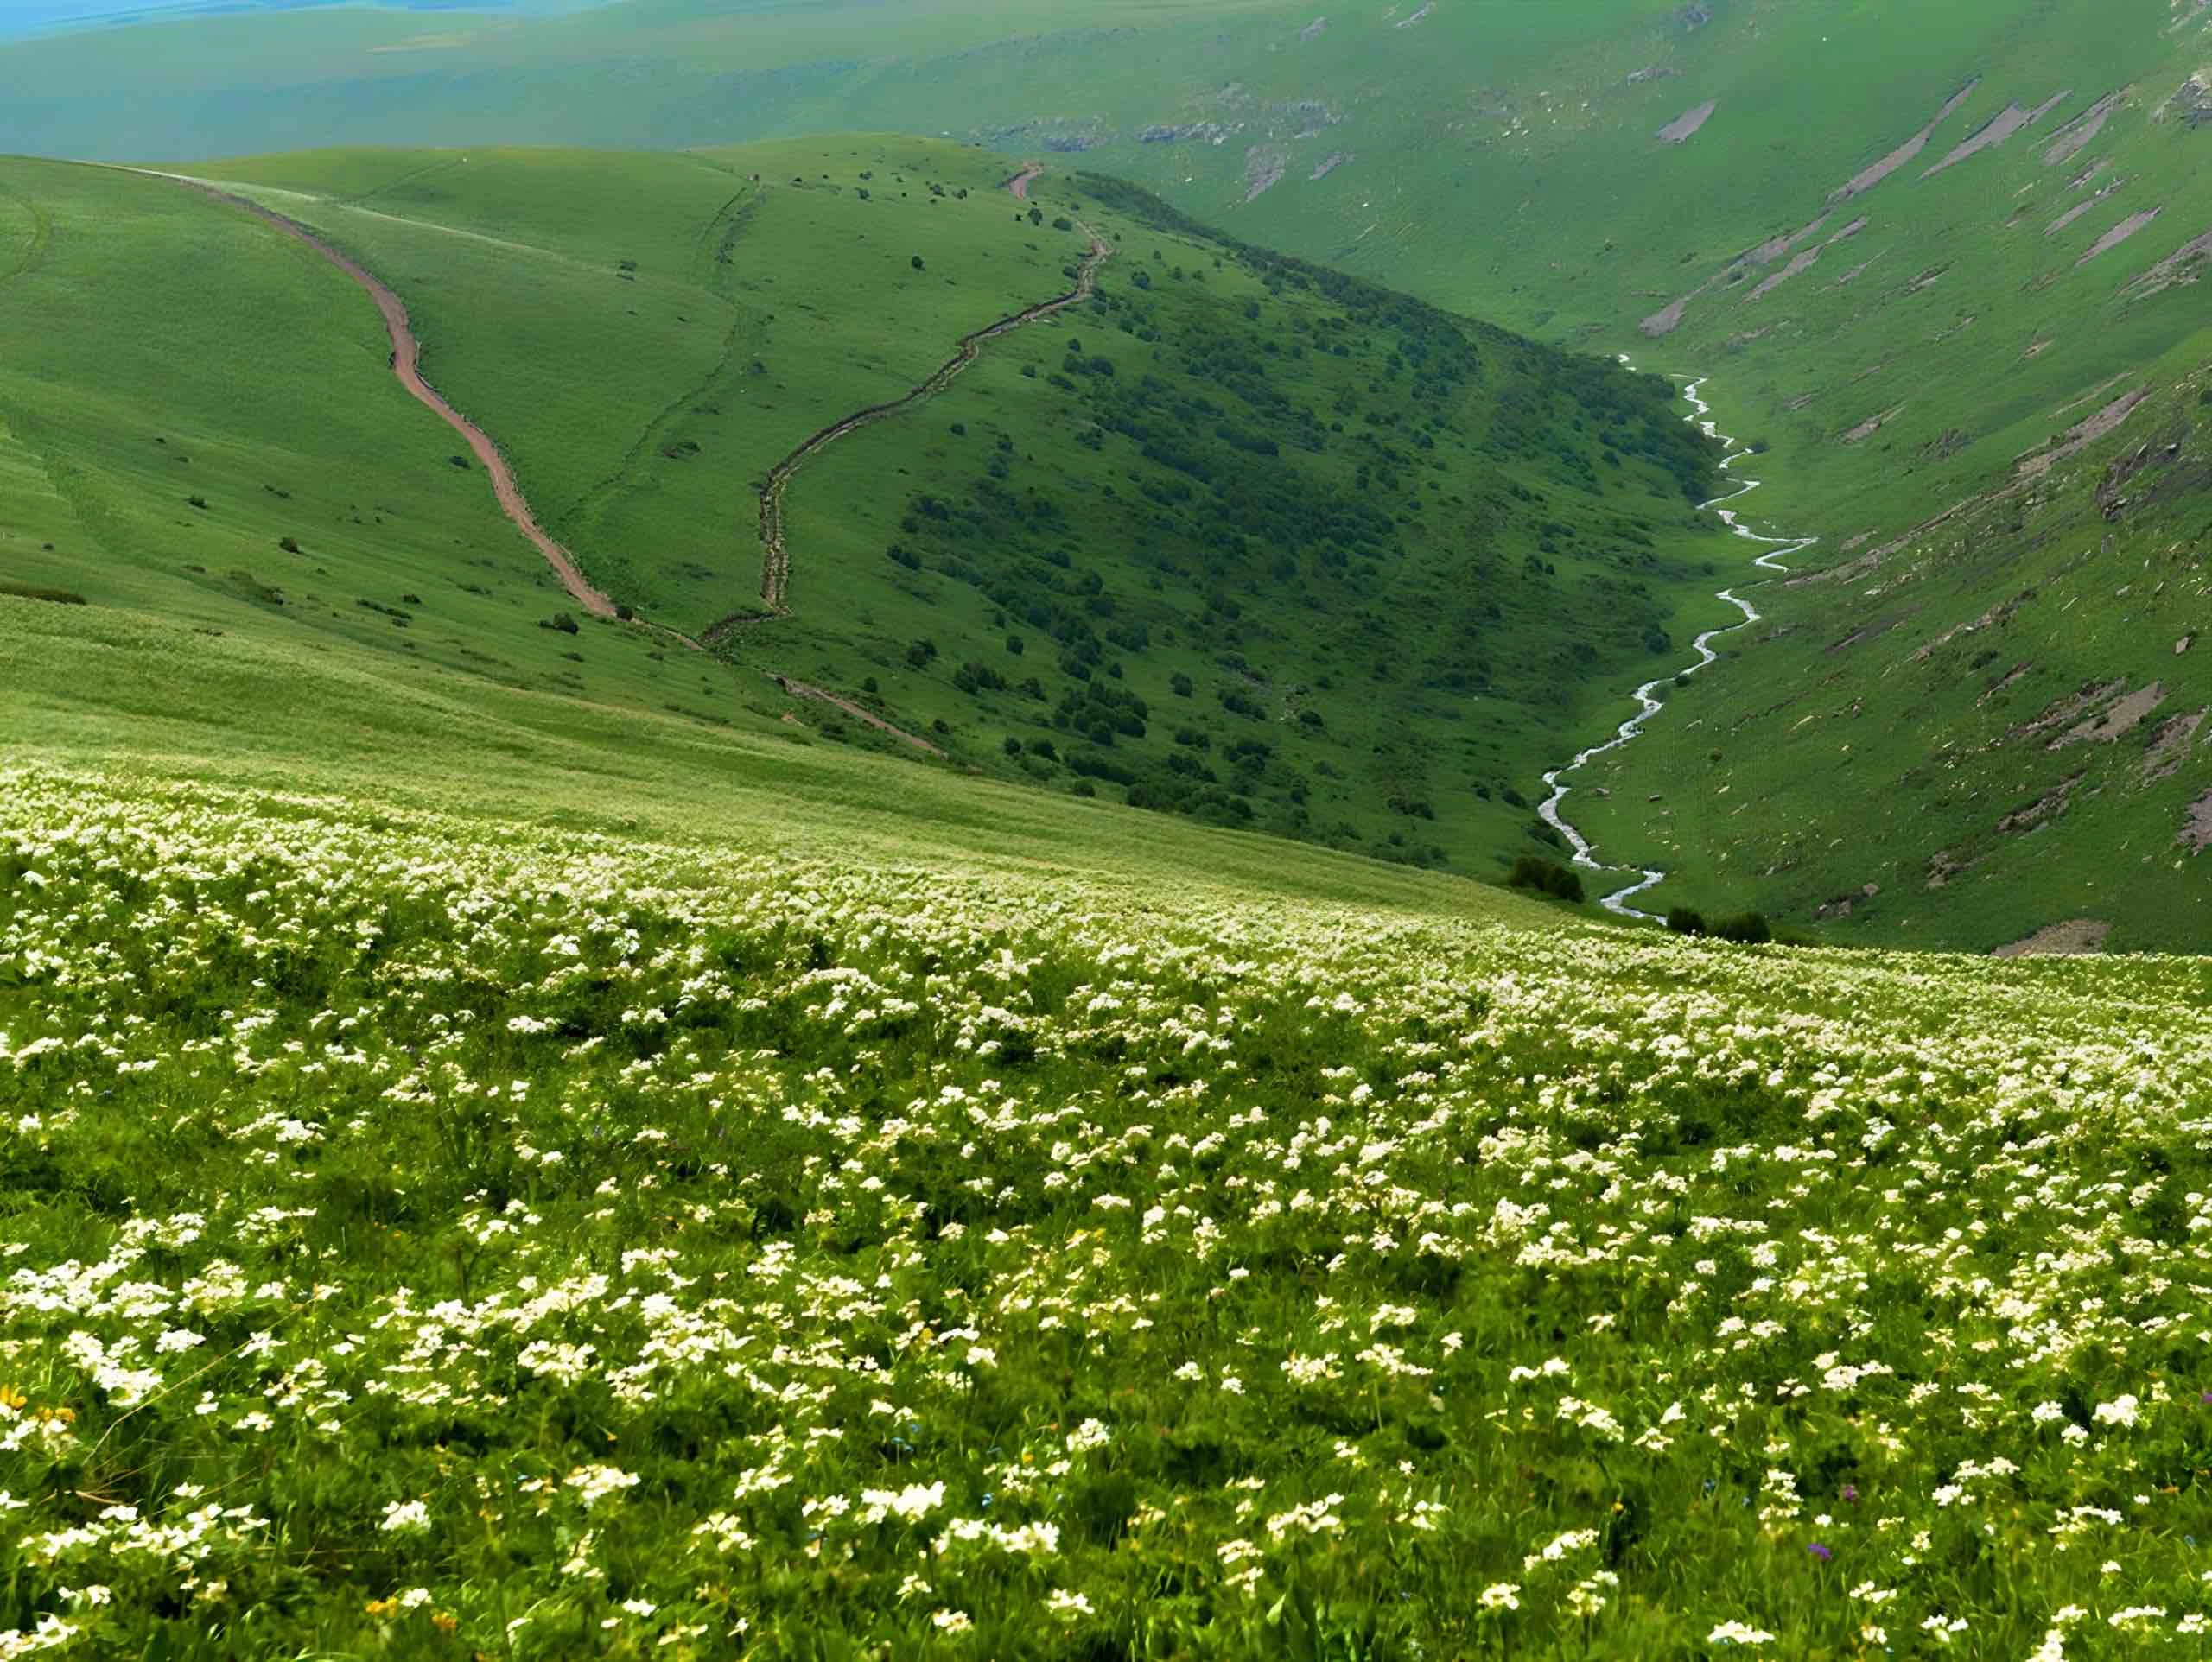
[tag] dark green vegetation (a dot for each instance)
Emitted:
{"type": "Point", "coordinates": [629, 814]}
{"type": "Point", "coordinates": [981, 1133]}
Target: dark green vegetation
{"type": "Point", "coordinates": [2035, 246]}
{"type": "Point", "coordinates": [1247, 540]}
{"type": "Point", "coordinates": [1239, 538]}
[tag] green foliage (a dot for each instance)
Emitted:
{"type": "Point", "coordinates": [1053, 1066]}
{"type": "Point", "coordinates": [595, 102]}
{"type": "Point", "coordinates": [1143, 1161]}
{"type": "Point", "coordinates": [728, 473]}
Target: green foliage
{"type": "Point", "coordinates": [1749, 929]}
{"type": "Point", "coordinates": [1546, 876]}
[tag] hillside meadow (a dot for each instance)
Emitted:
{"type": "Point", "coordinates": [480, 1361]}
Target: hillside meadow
{"type": "Point", "coordinates": [428, 1233]}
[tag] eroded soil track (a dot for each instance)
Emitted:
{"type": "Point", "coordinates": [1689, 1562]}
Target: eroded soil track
{"type": "Point", "coordinates": [775, 551]}
{"type": "Point", "coordinates": [406, 354]}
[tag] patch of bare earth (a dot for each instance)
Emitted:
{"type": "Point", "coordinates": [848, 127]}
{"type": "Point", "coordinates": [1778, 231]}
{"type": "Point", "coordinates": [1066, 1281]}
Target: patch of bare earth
{"type": "Point", "coordinates": [2196, 825]}
{"type": "Point", "coordinates": [1264, 166]}
{"type": "Point", "coordinates": [2169, 745]}
{"type": "Point", "coordinates": [2118, 234]}
{"type": "Point", "coordinates": [1669, 319]}
{"type": "Point", "coordinates": [1684, 127]}
{"type": "Point", "coordinates": [2184, 266]}
{"type": "Point", "coordinates": [1796, 266]}
{"type": "Point", "coordinates": [2123, 717]}
{"type": "Point", "coordinates": [2075, 938]}
{"type": "Point", "coordinates": [2076, 439]}
{"type": "Point", "coordinates": [2081, 132]}
{"type": "Point", "coordinates": [2081, 208]}
{"type": "Point", "coordinates": [2039, 812]}
{"type": "Point", "coordinates": [1861, 182]}
{"type": "Point", "coordinates": [1998, 129]}
{"type": "Point", "coordinates": [1873, 424]}
{"type": "Point", "coordinates": [2060, 712]}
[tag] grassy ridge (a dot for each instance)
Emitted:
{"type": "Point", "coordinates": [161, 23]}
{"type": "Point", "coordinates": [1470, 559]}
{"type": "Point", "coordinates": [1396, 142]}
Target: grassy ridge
{"type": "Point", "coordinates": [1298, 489]}
{"type": "Point", "coordinates": [183, 393]}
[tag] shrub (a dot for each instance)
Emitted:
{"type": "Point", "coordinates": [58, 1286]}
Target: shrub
{"type": "Point", "coordinates": [289, 544]}
{"type": "Point", "coordinates": [563, 621]}
{"type": "Point", "coordinates": [1545, 877]}
{"type": "Point", "coordinates": [1748, 928]}
{"type": "Point", "coordinates": [34, 591]}
{"type": "Point", "coordinates": [1686, 920]}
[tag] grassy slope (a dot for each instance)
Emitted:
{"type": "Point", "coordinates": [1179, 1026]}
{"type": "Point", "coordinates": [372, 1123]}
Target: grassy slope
{"type": "Point", "coordinates": [647, 334]}
{"type": "Point", "coordinates": [156, 347]}
{"type": "Point", "coordinates": [1535, 192]}
{"type": "Point", "coordinates": [137, 694]}
{"type": "Point", "coordinates": [749, 314]}
{"type": "Point", "coordinates": [134, 314]}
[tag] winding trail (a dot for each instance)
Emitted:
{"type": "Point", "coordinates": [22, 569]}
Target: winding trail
{"type": "Point", "coordinates": [775, 552]}
{"type": "Point", "coordinates": [1619, 902]}
{"type": "Point", "coordinates": [775, 579]}
{"type": "Point", "coordinates": [406, 356]}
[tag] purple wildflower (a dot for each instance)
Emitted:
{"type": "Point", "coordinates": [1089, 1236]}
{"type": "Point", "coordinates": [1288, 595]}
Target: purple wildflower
{"type": "Point", "coordinates": [1820, 1552]}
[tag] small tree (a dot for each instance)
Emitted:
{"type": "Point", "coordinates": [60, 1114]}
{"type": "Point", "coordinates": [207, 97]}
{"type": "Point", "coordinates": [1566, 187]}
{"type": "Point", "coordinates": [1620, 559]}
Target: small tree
{"type": "Point", "coordinates": [917, 263]}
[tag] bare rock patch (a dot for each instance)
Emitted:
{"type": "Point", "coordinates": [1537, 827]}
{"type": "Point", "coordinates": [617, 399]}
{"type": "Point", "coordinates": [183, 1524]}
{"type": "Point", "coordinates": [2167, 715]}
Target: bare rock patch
{"type": "Point", "coordinates": [2118, 234]}
{"type": "Point", "coordinates": [2081, 132]}
{"type": "Point", "coordinates": [1685, 126]}
{"type": "Point", "coordinates": [2076, 937]}
{"type": "Point", "coordinates": [1864, 181]}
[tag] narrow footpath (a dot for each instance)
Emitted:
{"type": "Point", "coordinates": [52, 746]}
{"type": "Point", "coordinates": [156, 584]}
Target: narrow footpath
{"type": "Point", "coordinates": [775, 579]}
{"type": "Point", "coordinates": [406, 356]}
{"type": "Point", "coordinates": [1620, 902]}
{"type": "Point", "coordinates": [775, 551]}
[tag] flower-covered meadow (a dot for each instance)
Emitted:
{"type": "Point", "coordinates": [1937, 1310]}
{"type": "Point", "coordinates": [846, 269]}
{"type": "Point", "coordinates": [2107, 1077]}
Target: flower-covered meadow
{"type": "Point", "coordinates": [422, 1240]}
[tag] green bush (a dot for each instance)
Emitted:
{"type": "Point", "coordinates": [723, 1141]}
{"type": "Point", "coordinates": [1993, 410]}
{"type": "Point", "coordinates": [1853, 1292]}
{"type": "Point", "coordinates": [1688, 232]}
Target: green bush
{"type": "Point", "coordinates": [1748, 928]}
{"type": "Point", "coordinates": [1534, 872]}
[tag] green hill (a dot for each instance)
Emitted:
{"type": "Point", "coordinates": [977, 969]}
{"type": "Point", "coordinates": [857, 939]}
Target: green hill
{"type": "Point", "coordinates": [1232, 536]}
{"type": "Point", "coordinates": [844, 1080]}
{"type": "Point", "coordinates": [1912, 250]}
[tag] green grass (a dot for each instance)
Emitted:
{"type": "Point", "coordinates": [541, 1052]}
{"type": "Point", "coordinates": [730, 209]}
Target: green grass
{"type": "Point", "coordinates": [646, 335]}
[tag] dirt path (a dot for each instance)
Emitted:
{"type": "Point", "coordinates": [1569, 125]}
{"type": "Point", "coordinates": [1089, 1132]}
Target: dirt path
{"type": "Point", "coordinates": [1031, 171]}
{"type": "Point", "coordinates": [801, 689]}
{"type": "Point", "coordinates": [776, 559]}
{"type": "Point", "coordinates": [406, 365]}
{"type": "Point", "coordinates": [1618, 902]}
